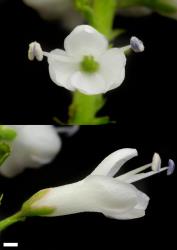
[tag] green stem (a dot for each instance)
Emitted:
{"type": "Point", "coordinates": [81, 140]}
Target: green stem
{"type": "Point", "coordinates": [11, 220]}
{"type": "Point", "coordinates": [100, 15]}
{"type": "Point", "coordinates": [103, 16]}
{"type": "Point", "coordinates": [84, 108]}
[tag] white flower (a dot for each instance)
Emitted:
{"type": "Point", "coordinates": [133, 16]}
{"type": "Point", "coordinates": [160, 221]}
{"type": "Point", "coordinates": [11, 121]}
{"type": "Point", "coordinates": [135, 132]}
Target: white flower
{"type": "Point", "coordinates": [34, 146]}
{"type": "Point", "coordinates": [87, 64]}
{"type": "Point", "coordinates": [101, 192]}
{"type": "Point", "coordinates": [56, 9]}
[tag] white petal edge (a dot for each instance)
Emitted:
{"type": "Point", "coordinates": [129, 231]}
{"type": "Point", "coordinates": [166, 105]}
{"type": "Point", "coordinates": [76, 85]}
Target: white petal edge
{"type": "Point", "coordinates": [132, 214]}
{"type": "Point", "coordinates": [85, 40]}
{"type": "Point", "coordinates": [113, 162]}
{"type": "Point", "coordinates": [143, 200]}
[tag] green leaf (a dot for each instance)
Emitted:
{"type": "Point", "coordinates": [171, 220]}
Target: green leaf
{"type": "Point", "coordinates": [4, 152]}
{"type": "Point", "coordinates": [7, 133]}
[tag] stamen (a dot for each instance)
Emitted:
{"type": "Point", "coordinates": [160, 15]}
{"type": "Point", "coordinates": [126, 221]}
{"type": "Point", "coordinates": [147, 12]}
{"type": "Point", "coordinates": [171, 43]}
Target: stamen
{"type": "Point", "coordinates": [35, 51]}
{"type": "Point", "coordinates": [136, 44]}
{"type": "Point", "coordinates": [134, 175]}
{"type": "Point", "coordinates": [61, 58]}
{"type": "Point", "coordinates": [156, 162]}
{"type": "Point", "coordinates": [144, 175]}
{"type": "Point", "coordinates": [171, 167]}
{"type": "Point", "coordinates": [126, 49]}
{"type": "Point", "coordinates": [46, 54]}
{"type": "Point", "coordinates": [134, 172]}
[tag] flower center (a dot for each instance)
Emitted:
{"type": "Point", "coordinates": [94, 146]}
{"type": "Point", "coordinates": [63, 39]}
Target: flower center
{"type": "Point", "coordinates": [89, 65]}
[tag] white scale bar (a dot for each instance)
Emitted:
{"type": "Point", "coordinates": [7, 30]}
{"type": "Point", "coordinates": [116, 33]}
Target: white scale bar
{"type": "Point", "coordinates": [5, 244]}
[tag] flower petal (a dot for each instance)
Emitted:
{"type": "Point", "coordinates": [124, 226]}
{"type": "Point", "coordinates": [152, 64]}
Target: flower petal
{"type": "Point", "coordinates": [113, 162]}
{"type": "Point", "coordinates": [107, 195]}
{"type": "Point", "coordinates": [85, 40]}
{"type": "Point", "coordinates": [135, 212]}
{"type": "Point", "coordinates": [112, 67]}
{"type": "Point", "coordinates": [94, 194]}
{"type": "Point", "coordinates": [61, 68]}
{"type": "Point", "coordinates": [88, 84]}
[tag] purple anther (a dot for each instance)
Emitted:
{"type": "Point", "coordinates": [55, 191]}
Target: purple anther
{"type": "Point", "coordinates": [136, 44]}
{"type": "Point", "coordinates": [171, 167]}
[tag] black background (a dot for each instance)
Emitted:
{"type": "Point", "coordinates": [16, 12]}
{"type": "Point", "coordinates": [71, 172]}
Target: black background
{"type": "Point", "coordinates": [144, 108]}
